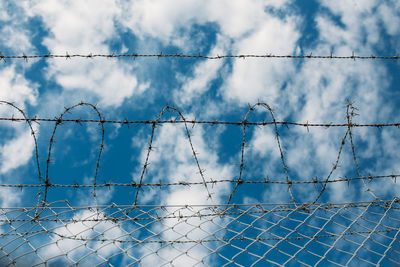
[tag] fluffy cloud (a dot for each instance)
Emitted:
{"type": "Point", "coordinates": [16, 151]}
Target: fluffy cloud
{"type": "Point", "coordinates": [254, 79]}
{"type": "Point", "coordinates": [248, 29]}
{"type": "Point", "coordinates": [172, 140]}
{"type": "Point", "coordinates": [315, 90]}
{"type": "Point", "coordinates": [78, 27]}
{"type": "Point", "coordinates": [16, 89]}
{"type": "Point", "coordinates": [175, 15]}
{"type": "Point", "coordinates": [17, 150]}
{"type": "Point", "coordinates": [309, 90]}
{"type": "Point", "coordinates": [363, 24]}
{"type": "Point", "coordinates": [14, 33]}
{"type": "Point", "coordinates": [172, 161]}
{"type": "Point", "coordinates": [320, 90]}
{"type": "Point", "coordinates": [203, 75]}
{"type": "Point", "coordinates": [77, 240]}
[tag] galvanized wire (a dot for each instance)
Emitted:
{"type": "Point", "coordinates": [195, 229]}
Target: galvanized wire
{"type": "Point", "coordinates": [57, 233]}
{"type": "Point", "coordinates": [67, 55]}
{"type": "Point", "coordinates": [243, 235]}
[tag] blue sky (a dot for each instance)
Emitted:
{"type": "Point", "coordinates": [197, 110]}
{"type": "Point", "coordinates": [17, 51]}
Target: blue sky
{"type": "Point", "coordinates": [313, 90]}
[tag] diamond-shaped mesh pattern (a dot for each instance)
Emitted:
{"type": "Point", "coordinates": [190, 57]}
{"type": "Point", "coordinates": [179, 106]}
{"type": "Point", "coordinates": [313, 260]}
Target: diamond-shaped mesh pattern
{"type": "Point", "coordinates": [351, 234]}
{"type": "Point", "coordinates": [60, 234]}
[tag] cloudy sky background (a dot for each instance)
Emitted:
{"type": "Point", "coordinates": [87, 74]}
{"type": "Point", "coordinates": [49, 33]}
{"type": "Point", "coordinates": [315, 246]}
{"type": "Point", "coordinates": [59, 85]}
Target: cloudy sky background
{"type": "Point", "coordinates": [302, 90]}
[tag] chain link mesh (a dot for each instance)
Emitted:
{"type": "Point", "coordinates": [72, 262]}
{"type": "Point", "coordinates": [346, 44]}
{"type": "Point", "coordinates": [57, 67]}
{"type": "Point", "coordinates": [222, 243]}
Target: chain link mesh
{"type": "Point", "coordinates": [363, 233]}
{"type": "Point", "coordinates": [308, 234]}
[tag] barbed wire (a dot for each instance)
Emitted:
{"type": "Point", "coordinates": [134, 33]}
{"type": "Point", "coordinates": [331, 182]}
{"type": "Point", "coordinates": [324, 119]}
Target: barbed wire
{"type": "Point", "coordinates": [265, 233]}
{"type": "Point", "coordinates": [208, 209]}
{"type": "Point", "coordinates": [353, 56]}
{"type": "Point", "coordinates": [310, 180]}
{"type": "Point", "coordinates": [58, 122]}
{"type": "Point", "coordinates": [209, 122]}
{"type": "Point", "coordinates": [46, 184]}
{"type": "Point", "coordinates": [239, 179]}
{"type": "Point", "coordinates": [187, 132]}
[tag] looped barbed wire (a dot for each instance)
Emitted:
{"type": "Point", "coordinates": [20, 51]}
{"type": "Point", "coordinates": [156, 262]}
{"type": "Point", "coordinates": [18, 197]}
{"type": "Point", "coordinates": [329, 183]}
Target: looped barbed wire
{"type": "Point", "coordinates": [29, 122]}
{"type": "Point", "coordinates": [182, 183]}
{"type": "Point", "coordinates": [149, 149]}
{"type": "Point", "coordinates": [350, 113]}
{"type": "Point", "coordinates": [239, 180]}
{"type": "Point", "coordinates": [59, 121]}
{"type": "Point", "coordinates": [46, 184]}
{"type": "Point", "coordinates": [209, 122]}
{"type": "Point", "coordinates": [353, 56]}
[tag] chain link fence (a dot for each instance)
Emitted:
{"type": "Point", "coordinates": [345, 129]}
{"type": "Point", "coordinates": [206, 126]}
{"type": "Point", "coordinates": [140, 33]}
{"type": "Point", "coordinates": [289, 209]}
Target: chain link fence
{"type": "Point", "coordinates": [308, 234]}
{"type": "Point", "coordinates": [350, 234]}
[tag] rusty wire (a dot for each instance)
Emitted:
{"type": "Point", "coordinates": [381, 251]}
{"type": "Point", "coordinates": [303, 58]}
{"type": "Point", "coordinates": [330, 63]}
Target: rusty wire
{"type": "Point", "coordinates": [58, 121]}
{"type": "Point", "coordinates": [261, 180]}
{"type": "Point", "coordinates": [149, 149]}
{"type": "Point", "coordinates": [253, 231]}
{"type": "Point", "coordinates": [256, 231]}
{"type": "Point", "coordinates": [209, 122]}
{"type": "Point", "coordinates": [243, 145]}
{"type": "Point", "coordinates": [353, 56]}
{"type": "Point", "coordinates": [46, 182]}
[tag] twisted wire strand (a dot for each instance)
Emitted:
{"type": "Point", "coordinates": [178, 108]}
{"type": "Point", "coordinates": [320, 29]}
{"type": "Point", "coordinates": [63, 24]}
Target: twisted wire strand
{"type": "Point", "coordinates": [149, 149]}
{"type": "Point", "coordinates": [350, 113]}
{"type": "Point", "coordinates": [309, 180]}
{"type": "Point", "coordinates": [29, 122]}
{"type": "Point", "coordinates": [46, 184]}
{"type": "Point", "coordinates": [209, 122]}
{"type": "Point", "coordinates": [239, 180]}
{"type": "Point", "coordinates": [58, 122]}
{"type": "Point", "coordinates": [331, 56]}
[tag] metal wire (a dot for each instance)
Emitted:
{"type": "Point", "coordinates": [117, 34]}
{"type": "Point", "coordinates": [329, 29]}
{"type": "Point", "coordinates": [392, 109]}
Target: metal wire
{"type": "Point", "coordinates": [287, 181]}
{"type": "Point", "coordinates": [353, 56]}
{"type": "Point", "coordinates": [309, 234]}
{"type": "Point", "coordinates": [247, 234]}
{"type": "Point", "coordinates": [209, 122]}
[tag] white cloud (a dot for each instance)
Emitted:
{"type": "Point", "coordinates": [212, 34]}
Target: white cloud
{"type": "Point", "coordinates": [321, 88]}
{"type": "Point", "coordinates": [390, 17]}
{"type": "Point", "coordinates": [363, 22]}
{"type": "Point", "coordinates": [17, 39]}
{"type": "Point", "coordinates": [316, 92]}
{"type": "Point", "coordinates": [173, 16]}
{"type": "Point", "coordinates": [16, 152]}
{"type": "Point", "coordinates": [313, 89]}
{"type": "Point", "coordinates": [248, 29]}
{"type": "Point", "coordinates": [82, 26]}
{"type": "Point", "coordinates": [78, 27]}
{"type": "Point", "coordinates": [111, 82]}
{"type": "Point", "coordinates": [16, 89]}
{"type": "Point", "coordinates": [172, 161]}
{"type": "Point", "coordinates": [254, 79]}
{"type": "Point", "coordinates": [14, 34]}
{"type": "Point", "coordinates": [204, 73]}
{"type": "Point", "coordinates": [244, 16]}
{"type": "Point", "coordinates": [67, 239]}
{"type": "Point", "coordinates": [10, 197]}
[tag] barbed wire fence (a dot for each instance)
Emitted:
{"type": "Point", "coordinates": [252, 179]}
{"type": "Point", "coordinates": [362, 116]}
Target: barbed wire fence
{"type": "Point", "coordinates": [228, 233]}
{"type": "Point", "coordinates": [67, 55]}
